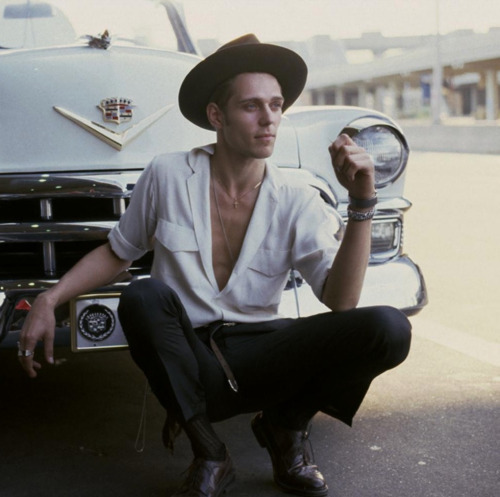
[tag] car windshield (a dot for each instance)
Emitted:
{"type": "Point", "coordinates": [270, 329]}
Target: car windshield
{"type": "Point", "coordinates": [33, 24]}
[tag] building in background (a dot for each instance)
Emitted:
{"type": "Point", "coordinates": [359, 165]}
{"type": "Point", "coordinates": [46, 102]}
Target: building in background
{"type": "Point", "coordinates": [395, 74]}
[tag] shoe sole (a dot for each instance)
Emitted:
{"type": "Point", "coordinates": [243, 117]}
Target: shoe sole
{"type": "Point", "coordinates": [303, 493]}
{"type": "Point", "coordinates": [224, 485]}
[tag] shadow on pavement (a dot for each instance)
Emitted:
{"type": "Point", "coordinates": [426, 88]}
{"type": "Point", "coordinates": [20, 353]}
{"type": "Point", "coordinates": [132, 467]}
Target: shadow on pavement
{"type": "Point", "coordinates": [422, 431]}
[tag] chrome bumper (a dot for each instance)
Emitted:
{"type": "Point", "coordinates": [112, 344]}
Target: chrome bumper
{"type": "Point", "coordinates": [398, 283]}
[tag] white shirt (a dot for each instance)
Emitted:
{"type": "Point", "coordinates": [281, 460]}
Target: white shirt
{"type": "Point", "coordinates": [170, 212]}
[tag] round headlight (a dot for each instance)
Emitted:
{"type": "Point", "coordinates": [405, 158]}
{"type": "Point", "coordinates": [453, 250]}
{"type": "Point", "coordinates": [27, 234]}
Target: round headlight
{"type": "Point", "coordinates": [388, 152]}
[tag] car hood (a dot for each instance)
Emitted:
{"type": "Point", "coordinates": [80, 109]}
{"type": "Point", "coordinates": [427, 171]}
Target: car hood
{"type": "Point", "coordinates": [54, 103]}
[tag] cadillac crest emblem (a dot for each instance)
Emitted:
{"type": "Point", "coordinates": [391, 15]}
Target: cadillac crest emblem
{"type": "Point", "coordinates": [116, 110]}
{"type": "Point", "coordinates": [96, 322]}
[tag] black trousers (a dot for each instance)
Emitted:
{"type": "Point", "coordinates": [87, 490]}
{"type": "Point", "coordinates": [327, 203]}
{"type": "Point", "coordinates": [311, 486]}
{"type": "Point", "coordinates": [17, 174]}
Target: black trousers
{"type": "Point", "coordinates": [296, 367]}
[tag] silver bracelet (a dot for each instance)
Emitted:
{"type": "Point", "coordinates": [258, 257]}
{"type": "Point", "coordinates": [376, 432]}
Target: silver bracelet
{"type": "Point", "coordinates": [360, 216]}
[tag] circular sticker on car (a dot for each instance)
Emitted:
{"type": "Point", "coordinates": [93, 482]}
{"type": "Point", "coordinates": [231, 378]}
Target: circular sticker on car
{"type": "Point", "coordinates": [96, 322]}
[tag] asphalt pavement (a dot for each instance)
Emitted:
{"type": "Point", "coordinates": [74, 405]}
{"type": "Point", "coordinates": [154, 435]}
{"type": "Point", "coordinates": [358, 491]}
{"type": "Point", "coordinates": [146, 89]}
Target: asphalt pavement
{"type": "Point", "coordinates": [428, 428]}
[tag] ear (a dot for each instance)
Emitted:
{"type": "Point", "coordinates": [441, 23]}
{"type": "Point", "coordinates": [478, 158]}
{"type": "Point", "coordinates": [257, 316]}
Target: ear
{"type": "Point", "coordinates": [215, 116]}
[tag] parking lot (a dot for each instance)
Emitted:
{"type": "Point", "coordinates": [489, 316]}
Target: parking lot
{"type": "Point", "coordinates": [427, 429]}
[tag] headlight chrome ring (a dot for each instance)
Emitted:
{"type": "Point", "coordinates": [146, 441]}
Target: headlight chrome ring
{"type": "Point", "coordinates": [386, 146]}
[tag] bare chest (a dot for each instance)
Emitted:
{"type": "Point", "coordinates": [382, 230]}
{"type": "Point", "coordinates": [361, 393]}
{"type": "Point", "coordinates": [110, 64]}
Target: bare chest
{"type": "Point", "coordinates": [229, 225]}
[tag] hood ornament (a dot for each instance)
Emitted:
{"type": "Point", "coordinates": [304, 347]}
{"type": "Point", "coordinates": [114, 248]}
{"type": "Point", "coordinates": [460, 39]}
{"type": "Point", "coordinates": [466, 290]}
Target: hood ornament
{"type": "Point", "coordinates": [117, 140]}
{"type": "Point", "coordinates": [116, 109]}
{"type": "Point", "coordinates": [102, 41]}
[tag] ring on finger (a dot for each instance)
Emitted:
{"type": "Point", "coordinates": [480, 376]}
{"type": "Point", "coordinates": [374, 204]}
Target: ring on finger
{"type": "Point", "coordinates": [23, 353]}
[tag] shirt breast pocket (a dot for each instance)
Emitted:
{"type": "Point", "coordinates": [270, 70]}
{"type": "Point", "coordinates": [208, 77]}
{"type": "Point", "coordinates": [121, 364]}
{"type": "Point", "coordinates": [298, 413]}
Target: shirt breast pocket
{"type": "Point", "coordinates": [268, 273]}
{"type": "Point", "coordinates": [176, 238]}
{"type": "Point", "coordinates": [177, 254]}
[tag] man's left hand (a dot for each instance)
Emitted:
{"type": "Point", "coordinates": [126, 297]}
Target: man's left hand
{"type": "Point", "coordinates": [353, 167]}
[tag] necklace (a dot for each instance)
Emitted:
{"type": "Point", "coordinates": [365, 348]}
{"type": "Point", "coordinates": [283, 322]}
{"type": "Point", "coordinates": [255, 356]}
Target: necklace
{"type": "Point", "coordinates": [239, 197]}
{"type": "Point", "coordinates": [226, 240]}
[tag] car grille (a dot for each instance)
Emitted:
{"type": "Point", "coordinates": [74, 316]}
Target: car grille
{"type": "Point", "coordinates": [48, 223]}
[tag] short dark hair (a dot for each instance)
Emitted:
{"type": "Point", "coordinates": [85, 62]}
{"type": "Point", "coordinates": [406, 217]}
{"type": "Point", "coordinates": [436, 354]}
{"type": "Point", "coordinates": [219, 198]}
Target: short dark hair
{"type": "Point", "coordinates": [222, 93]}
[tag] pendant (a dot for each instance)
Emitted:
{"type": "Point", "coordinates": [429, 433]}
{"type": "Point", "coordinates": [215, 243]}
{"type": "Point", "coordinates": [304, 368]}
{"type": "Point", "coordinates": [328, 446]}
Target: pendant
{"type": "Point", "coordinates": [235, 204]}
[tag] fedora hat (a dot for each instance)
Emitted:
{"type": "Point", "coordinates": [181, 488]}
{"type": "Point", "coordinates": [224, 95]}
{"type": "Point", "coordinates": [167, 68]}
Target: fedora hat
{"type": "Point", "coordinates": [244, 54]}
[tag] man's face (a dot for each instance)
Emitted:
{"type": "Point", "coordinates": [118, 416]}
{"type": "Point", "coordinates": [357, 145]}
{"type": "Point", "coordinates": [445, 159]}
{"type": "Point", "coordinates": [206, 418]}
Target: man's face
{"type": "Point", "coordinates": [251, 117]}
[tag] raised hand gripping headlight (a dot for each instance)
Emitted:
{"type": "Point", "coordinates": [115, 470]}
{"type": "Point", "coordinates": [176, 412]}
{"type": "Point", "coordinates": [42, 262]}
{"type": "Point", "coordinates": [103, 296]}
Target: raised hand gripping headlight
{"type": "Point", "coordinates": [384, 143]}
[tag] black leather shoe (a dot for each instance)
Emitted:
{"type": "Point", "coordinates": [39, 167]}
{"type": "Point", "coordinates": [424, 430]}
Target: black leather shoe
{"type": "Point", "coordinates": [293, 465]}
{"type": "Point", "coordinates": [207, 478]}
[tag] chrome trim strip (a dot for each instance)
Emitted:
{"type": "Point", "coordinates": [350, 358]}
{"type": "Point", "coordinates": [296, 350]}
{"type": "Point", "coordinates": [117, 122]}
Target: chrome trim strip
{"type": "Point", "coordinates": [119, 206]}
{"type": "Point", "coordinates": [398, 203]}
{"type": "Point", "coordinates": [363, 122]}
{"type": "Point", "coordinates": [48, 247]}
{"type": "Point", "coordinates": [25, 285]}
{"type": "Point", "coordinates": [55, 232]}
{"type": "Point", "coordinates": [22, 186]}
{"type": "Point", "coordinates": [49, 258]}
{"type": "Point", "coordinates": [21, 286]}
{"type": "Point", "coordinates": [392, 204]}
{"type": "Point", "coordinates": [46, 208]}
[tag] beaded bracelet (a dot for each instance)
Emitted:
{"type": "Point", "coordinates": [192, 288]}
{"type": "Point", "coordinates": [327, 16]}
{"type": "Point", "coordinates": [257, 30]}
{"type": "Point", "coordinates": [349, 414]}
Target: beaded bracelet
{"type": "Point", "coordinates": [359, 216]}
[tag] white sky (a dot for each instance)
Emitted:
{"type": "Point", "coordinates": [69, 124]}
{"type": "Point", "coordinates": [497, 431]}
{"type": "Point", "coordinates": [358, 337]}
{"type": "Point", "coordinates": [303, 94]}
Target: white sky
{"type": "Point", "coordinates": [274, 20]}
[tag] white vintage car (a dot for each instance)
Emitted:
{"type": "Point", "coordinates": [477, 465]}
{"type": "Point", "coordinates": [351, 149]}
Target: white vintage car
{"type": "Point", "coordinates": [88, 95]}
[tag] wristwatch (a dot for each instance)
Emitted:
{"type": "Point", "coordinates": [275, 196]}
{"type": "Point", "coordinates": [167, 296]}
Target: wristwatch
{"type": "Point", "coordinates": [363, 203]}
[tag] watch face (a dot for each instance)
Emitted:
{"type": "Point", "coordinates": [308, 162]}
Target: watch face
{"type": "Point", "coordinates": [96, 322]}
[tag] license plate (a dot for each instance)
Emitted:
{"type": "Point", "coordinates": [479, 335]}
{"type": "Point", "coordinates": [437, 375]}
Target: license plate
{"type": "Point", "coordinates": [95, 324]}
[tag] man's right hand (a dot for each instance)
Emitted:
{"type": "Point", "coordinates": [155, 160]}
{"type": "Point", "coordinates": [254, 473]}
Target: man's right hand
{"type": "Point", "coordinates": [96, 269]}
{"type": "Point", "coordinates": [38, 326]}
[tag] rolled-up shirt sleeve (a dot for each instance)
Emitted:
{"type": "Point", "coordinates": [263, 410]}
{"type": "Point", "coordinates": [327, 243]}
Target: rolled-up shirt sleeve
{"type": "Point", "coordinates": [133, 235]}
{"type": "Point", "coordinates": [315, 244]}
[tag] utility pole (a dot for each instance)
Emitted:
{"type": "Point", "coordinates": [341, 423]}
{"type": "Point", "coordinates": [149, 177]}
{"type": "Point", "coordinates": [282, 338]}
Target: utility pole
{"type": "Point", "coordinates": [437, 73]}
